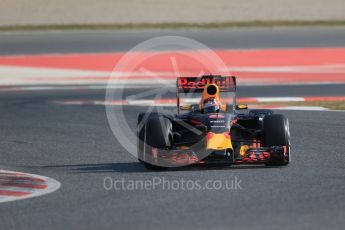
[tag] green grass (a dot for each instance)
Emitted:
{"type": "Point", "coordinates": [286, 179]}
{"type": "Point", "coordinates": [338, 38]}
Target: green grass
{"type": "Point", "coordinates": [173, 25]}
{"type": "Point", "coordinates": [333, 105]}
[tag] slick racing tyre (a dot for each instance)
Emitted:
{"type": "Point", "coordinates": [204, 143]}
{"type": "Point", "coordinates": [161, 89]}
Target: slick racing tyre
{"type": "Point", "coordinates": [276, 133]}
{"type": "Point", "coordinates": [159, 132]}
{"type": "Point", "coordinates": [261, 112]}
{"type": "Point", "coordinates": [153, 133]}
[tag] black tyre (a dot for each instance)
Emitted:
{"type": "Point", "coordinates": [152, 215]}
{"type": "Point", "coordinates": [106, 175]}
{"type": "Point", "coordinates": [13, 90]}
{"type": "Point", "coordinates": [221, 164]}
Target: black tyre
{"type": "Point", "coordinates": [154, 132]}
{"type": "Point", "coordinates": [159, 132]}
{"type": "Point", "coordinates": [276, 133]}
{"type": "Point", "coordinates": [261, 112]}
{"type": "Point", "coordinates": [140, 137]}
{"type": "Point", "coordinates": [146, 116]}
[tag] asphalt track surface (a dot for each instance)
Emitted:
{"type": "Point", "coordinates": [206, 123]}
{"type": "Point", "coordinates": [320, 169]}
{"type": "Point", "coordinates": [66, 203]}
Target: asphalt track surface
{"type": "Point", "coordinates": [74, 145]}
{"type": "Point", "coordinates": [12, 43]}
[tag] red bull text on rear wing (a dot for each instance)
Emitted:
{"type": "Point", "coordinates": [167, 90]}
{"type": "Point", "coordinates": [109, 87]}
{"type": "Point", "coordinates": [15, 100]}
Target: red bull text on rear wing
{"type": "Point", "coordinates": [197, 84]}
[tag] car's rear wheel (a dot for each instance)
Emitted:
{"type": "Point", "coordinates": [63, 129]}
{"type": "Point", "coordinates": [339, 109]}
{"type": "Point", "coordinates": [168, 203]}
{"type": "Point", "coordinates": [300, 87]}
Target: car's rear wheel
{"type": "Point", "coordinates": [153, 134]}
{"type": "Point", "coordinates": [276, 133]}
{"type": "Point", "coordinates": [261, 112]}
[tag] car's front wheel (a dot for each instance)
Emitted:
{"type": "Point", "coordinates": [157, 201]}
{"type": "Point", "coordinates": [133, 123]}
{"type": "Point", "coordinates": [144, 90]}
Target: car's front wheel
{"type": "Point", "coordinates": [153, 134]}
{"type": "Point", "coordinates": [276, 132]}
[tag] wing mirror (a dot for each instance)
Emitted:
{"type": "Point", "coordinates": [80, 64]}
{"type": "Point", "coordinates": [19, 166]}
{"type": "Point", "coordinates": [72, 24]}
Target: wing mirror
{"type": "Point", "coordinates": [185, 107]}
{"type": "Point", "coordinates": [241, 107]}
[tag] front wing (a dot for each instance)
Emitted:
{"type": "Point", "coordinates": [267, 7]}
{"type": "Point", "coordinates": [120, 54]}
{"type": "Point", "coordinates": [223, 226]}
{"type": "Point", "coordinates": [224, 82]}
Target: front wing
{"type": "Point", "coordinates": [175, 158]}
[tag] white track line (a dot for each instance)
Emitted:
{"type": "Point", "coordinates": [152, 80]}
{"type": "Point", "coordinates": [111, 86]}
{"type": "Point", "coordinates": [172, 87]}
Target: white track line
{"type": "Point", "coordinates": [18, 76]}
{"type": "Point", "coordinates": [172, 104]}
{"type": "Point", "coordinates": [279, 99]}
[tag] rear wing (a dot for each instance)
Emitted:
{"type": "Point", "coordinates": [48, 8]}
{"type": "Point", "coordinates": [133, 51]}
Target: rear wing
{"type": "Point", "coordinates": [197, 84]}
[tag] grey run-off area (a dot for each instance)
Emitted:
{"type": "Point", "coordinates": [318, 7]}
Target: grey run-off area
{"type": "Point", "coordinates": [41, 12]}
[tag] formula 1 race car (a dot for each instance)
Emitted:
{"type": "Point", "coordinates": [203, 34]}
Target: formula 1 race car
{"type": "Point", "coordinates": [209, 128]}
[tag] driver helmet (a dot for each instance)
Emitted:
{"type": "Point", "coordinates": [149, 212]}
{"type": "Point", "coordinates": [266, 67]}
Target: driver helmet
{"type": "Point", "coordinates": [211, 105]}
